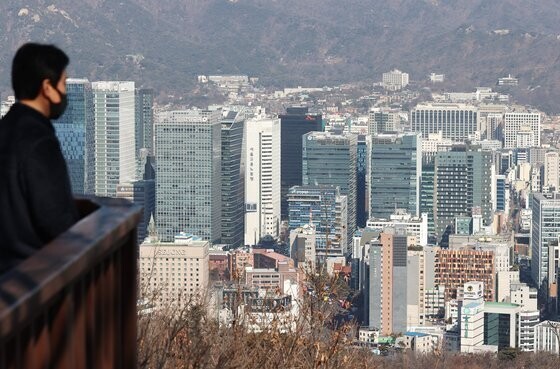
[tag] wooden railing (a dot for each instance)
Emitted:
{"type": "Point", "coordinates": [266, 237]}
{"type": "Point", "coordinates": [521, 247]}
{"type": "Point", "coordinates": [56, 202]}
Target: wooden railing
{"type": "Point", "coordinates": [73, 303]}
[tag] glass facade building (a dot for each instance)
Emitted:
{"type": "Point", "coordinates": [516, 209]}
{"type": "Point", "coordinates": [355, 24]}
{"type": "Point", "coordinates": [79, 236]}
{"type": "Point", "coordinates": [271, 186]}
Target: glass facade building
{"type": "Point", "coordinates": [325, 208]}
{"type": "Point", "coordinates": [396, 168]}
{"type": "Point", "coordinates": [501, 193]}
{"type": "Point", "coordinates": [427, 199]}
{"type": "Point", "coordinates": [233, 185]}
{"type": "Point", "coordinates": [188, 188]}
{"type": "Point", "coordinates": [362, 207]}
{"type": "Point", "coordinates": [462, 181]}
{"type": "Point", "coordinates": [294, 124]}
{"type": "Point", "coordinates": [144, 125]}
{"type": "Point", "coordinates": [331, 159]}
{"type": "Point", "coordinates": [75, 131]}
{"type": "Point", "coordinates": [497, 330]}
{"type": "Point", "coordinates": [544, 229]}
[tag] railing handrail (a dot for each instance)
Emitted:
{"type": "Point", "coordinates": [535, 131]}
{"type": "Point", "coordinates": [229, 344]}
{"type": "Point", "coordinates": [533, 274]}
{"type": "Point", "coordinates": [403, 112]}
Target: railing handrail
{"type": "Point", "coordinates": [39, 279]}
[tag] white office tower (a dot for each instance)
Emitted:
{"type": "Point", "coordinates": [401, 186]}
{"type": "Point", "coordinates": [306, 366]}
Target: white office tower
{"type": "Point", "coordinates": [114, 135]}
{"type": "Point", "coordinates": [415, 226]}
{"type": "Point", "coordinates": [262, 179]}
{"type": "Point", "coordinates": [551, 171]}
{"type": "Point", "coordinates": [457, 122]}
{"type": "Point", "coordinates": [188, 191]}
{"type": "Point", "coordinates": [547, 337]}
{"type": "Point", "coordinates": [520, 128]}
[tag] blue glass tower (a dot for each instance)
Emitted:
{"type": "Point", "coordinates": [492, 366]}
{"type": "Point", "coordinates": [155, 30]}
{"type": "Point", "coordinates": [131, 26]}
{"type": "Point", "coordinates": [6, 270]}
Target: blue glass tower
{"type": "Point", "coordinates": [295, 123]}
{"type": "Point", "coordinates": [75, 131]}
{"type": "Point", "coordinates": [362, 207]}
{"type": "Point", "coordinates": [396, 168]}
{"type": "Point", "coordinates": [501, 193]}
{"type": "Point", "coordinates": [326, 209]}
{"type": "Point", "coordinates": [233, 183]}
{"type": "Point", "coordinates": [331, 159]}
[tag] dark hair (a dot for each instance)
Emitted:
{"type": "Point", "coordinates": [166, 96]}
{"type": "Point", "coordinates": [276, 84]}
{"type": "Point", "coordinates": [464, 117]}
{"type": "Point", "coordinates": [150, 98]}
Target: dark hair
{"type": "Point", "coordinates": [33, 63]}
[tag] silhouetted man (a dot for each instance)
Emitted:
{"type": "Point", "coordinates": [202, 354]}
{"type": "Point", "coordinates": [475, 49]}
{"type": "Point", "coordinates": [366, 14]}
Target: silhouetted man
{"type": "Point", "coordinates": [36, 203]}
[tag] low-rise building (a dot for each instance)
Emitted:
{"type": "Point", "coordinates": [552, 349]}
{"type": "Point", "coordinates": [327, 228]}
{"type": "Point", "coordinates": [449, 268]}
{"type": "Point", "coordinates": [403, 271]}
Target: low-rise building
{"type": "Point", "coordinates": [174, 272]}
{"type": "Point", "coordinates": [547, 337]}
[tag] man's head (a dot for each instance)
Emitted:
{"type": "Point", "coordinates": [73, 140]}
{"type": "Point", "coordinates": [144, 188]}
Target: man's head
{"type": "Point", "coordinates": [39, 77]}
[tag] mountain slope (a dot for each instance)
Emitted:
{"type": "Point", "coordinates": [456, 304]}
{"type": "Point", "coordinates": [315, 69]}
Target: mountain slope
{"type": "Point", "coordinates": [166, 43]}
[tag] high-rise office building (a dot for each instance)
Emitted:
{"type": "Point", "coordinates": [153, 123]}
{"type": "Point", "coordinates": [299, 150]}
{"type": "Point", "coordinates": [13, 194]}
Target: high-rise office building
{"type": "Point", "coordinates": [75, 131]}
{"type": "Point", "coordinates": [233, 182]}
{"type": "Point", "coordinates": [331, 159]}
{"type": "Point", "coordinates": [144, 127]}
{"type": "Point", "coordinates": [189, 176]}
{"type": "Point", "coordinates": [545, 229]}
{"type": "Point", "coordinates": [414, 226]}
{"type": "Point", "coordinates": [388, 282]}
{"type": "Point", "coordinates": [427, 198]}
{"type": "Point", "coordinates": [294, 124]}
{"type": "Point", "coordinates": [143, 193]}
{"type": "Point", "coordinates": [396, 168]}
{"type": "Point", "coordinates": [362, 180]}
{"type": "Point", "coordinates": [522, 128]}
{"type": "Point", "coordinates": [462, 181]}
{"type": "Point", "coordinates": [262, 179]}
{"type": "Point", "coordinates": [114, 135]}
{"type": "Point", "coordinates": [326, 209]}
{"type": "Point", "coordinates": [502, 194]}
{"type": "Point", "coordinates": [455, 121]}
{"type": "Point", "coordinates": [551, 171]}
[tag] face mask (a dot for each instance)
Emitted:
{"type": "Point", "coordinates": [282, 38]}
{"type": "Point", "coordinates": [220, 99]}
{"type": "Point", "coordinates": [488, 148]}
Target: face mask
{"type": "Point", "coordinates": [58, 109]}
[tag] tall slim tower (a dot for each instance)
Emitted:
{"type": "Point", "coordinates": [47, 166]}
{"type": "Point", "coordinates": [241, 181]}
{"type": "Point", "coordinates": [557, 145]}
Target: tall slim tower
{"type": "Point", "coordinates": [75, 131]}
{"type": "Point", "coordinates": [295, 123]}
{"type": "Point", "coordinates": [144, 127]}
{"type": "Point", "coordinates": [396, 168]}
{"type": "Point", "coordinates": [114, 135]}
{"type": "Point", "coordinates": [262, 179]}
{"type": "Point", "coordinates": [545, 228]}
{"type": "Point", "coordinates": [388, 282]}
{"type": "Point", "coordinates": [331, 159]}
{"type": "Point", "coordinates": [233, 183]}
{"type": "Point", "coordinates": [363, 180]}
{"type": "Point", "coordinates": [189, 175]}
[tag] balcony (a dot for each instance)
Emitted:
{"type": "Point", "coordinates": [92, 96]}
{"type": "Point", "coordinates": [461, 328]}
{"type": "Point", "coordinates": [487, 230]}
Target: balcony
{"type": "Point", "coordinates": [73, 303]}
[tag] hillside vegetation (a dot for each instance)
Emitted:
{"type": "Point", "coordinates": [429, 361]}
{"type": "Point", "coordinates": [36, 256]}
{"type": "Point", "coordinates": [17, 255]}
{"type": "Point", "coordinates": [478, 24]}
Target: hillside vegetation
{"type": "Point", "coordinates": [166, 43]}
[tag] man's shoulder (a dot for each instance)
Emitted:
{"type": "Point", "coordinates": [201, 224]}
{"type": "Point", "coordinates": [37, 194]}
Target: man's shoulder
{"type": "Point", "coordinates": [25, 126]}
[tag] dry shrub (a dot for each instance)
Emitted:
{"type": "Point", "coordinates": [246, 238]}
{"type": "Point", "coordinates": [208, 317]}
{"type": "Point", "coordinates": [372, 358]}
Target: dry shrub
{"type": "Point", "coordinates": [187, 337]}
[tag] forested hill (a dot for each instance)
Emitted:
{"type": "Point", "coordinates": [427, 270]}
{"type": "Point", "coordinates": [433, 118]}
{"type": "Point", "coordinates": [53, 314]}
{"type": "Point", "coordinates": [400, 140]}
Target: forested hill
{"type": "Point", "coordinates": [166, 43]}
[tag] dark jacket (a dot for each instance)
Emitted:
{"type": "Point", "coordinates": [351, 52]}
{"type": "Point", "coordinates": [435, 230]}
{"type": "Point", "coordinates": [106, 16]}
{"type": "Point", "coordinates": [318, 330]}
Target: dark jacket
{"type": "Point", "coordinates": [36, 203]}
